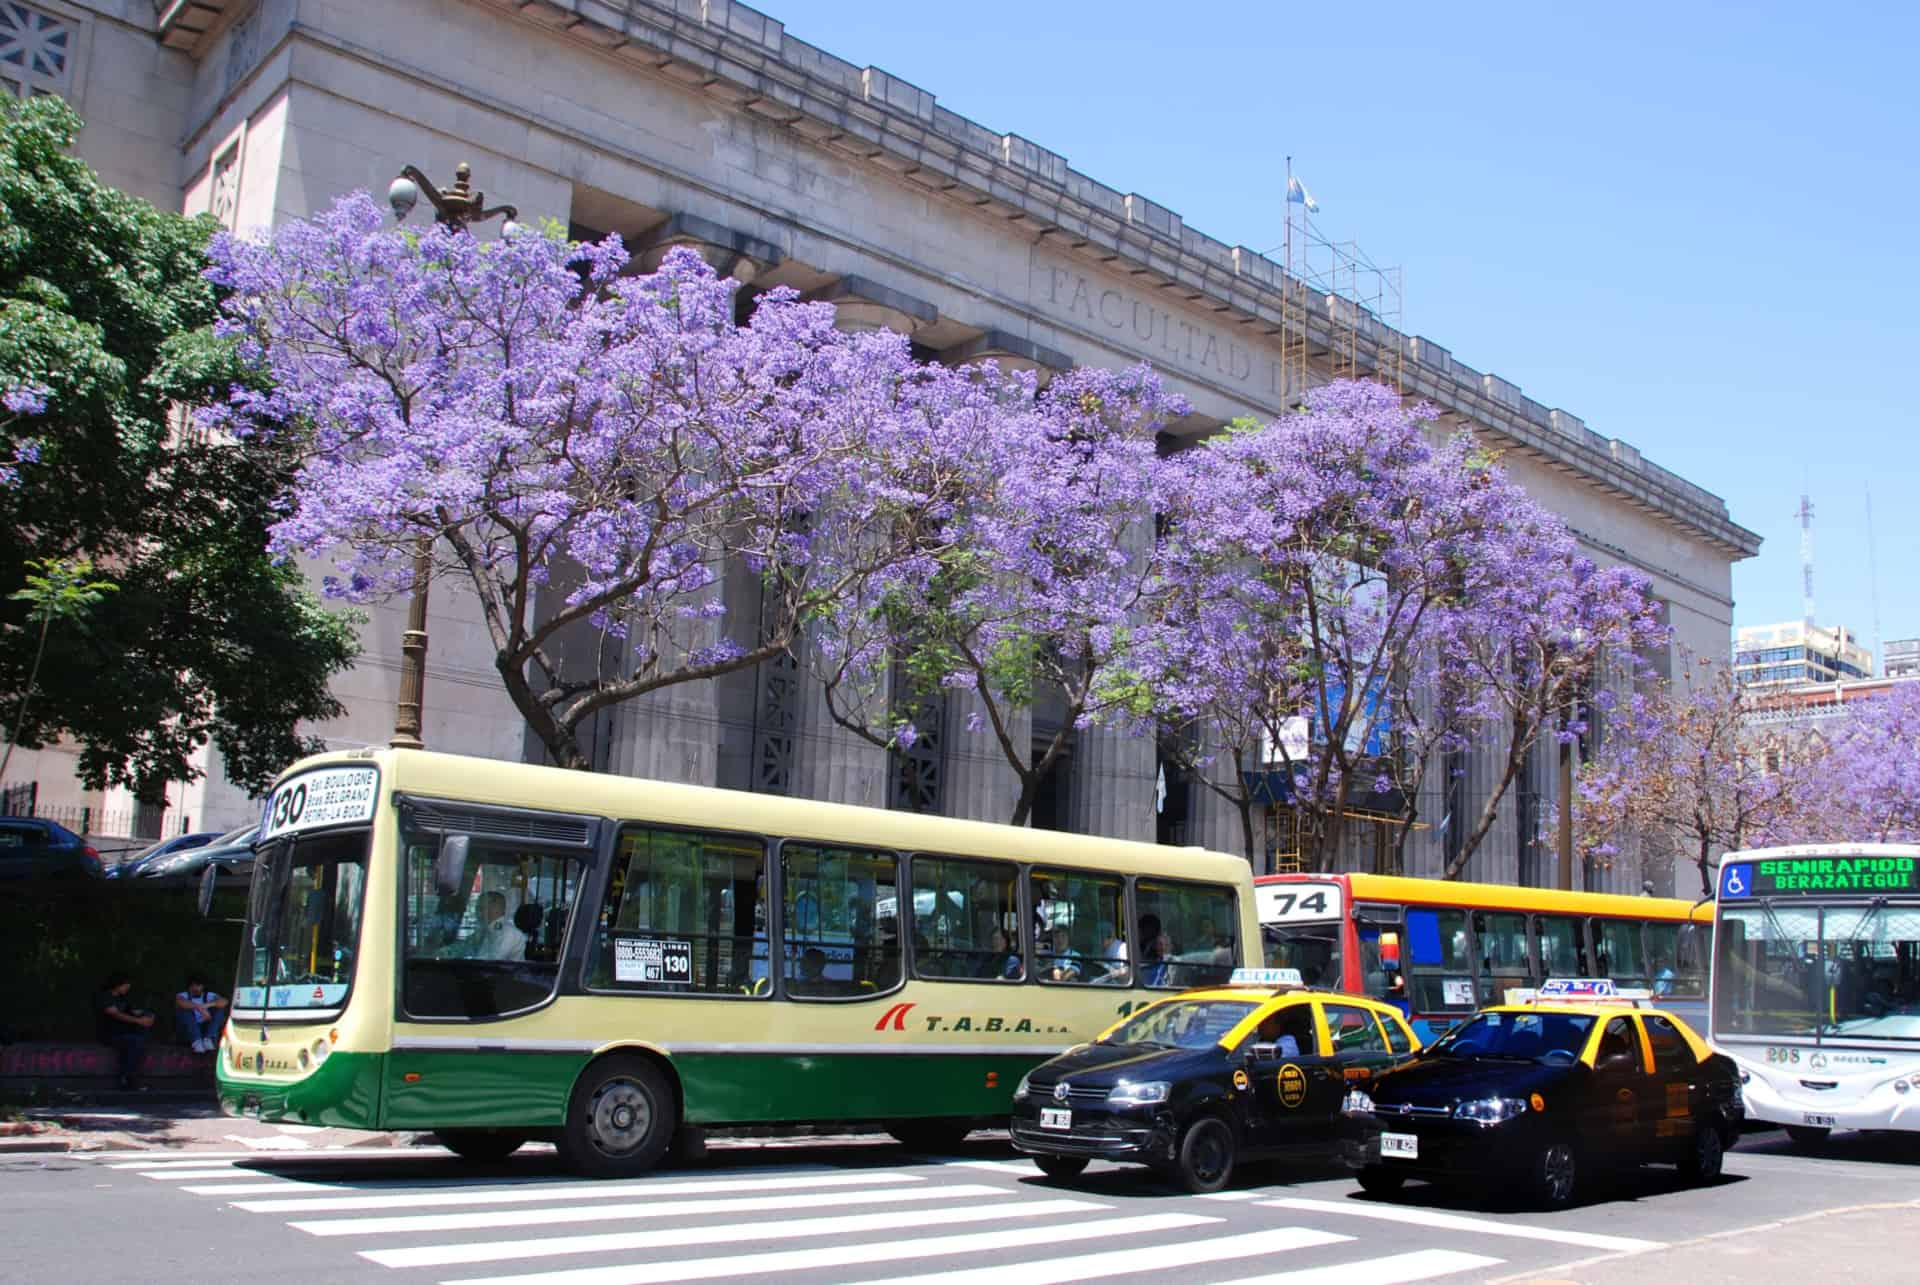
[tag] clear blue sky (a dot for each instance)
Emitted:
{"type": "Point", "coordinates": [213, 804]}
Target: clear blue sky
{"type": "Point", "coordinates": [1693, 225]}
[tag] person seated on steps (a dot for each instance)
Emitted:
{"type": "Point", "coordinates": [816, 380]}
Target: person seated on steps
{"type": "Point", "coordinates": [198, 1015]}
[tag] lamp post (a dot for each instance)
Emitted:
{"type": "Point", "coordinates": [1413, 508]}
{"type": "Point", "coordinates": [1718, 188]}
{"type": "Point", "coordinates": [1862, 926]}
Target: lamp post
{"type": "Point", "coordinates": [456, 208]}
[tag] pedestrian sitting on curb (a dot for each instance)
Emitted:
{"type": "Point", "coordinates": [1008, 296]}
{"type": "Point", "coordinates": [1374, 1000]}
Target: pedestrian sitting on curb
{"type": "Point", "coordinates": [122, 1027]}
{"type": "Point", "coordinates": [198, 1015]}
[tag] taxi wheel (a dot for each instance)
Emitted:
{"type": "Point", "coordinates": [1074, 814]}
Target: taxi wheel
{"type": "Point", "coordinates": [1556, 1174]}
{"type": "Point", "coordinates": [1807, 1135]}
{"type": "Point", "coordinates": [1061, 1168]}
{"type": "Point", "coordinates": [1704, 1157]}
{"type": "Point", "coordinates": [620, 1119]}
{"type": "Point", "coordinates": [480, 1146]}
{"type": "Point", "coordinates": [1378, 1180]}
{"type": "Point", "coordinates": [1206, 1155]}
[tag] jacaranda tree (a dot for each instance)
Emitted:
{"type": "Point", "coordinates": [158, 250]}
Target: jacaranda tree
{"type": "Point", "coordinates": [586, 451]}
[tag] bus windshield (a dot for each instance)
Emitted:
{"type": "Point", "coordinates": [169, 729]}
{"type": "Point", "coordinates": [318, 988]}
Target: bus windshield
{"type": "Point", "coordinates": [303, 924]}
{"type": "Point", "coordinates": [1823, 972]}
{"type": "Point", "coordinates": [1314, 949]}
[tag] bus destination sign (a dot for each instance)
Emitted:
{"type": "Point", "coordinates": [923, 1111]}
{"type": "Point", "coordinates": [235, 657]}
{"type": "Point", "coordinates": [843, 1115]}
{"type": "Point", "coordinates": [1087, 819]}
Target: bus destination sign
{"type": "Point", "coordinates": [1805, 876]}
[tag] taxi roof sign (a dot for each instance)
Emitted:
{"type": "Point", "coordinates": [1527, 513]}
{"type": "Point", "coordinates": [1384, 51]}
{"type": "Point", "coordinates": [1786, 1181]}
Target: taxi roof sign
{"type": "Point", "coordinates": [1265, 977]}
{"type": "Point", "coordinates": [1563, 989]}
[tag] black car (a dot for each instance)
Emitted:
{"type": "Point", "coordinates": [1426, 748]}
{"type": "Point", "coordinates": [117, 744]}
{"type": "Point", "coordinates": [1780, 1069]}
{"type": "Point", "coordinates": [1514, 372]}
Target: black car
{"type": "Point", "coordinates": [231, 854]}
{"type": "Point", "coordinates": [1193, 1083]}
{"type": "Point", "coordinates": [32, 848]}
{"type": "Point", "coordinates": [1544, 1093]}
{"type": "Point", "coordinates": [140, 861]}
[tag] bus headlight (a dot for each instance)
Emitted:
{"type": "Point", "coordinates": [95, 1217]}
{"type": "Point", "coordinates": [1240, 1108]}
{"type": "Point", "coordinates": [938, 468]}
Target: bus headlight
{"type": "Point", "coordinates": [1144, 1094]}
{"type": "Point", "coordinates": [1490, 1110]}
{"type": "Point", "coordinates": [1901, 1086]}
{"type": "Point", "coordinates": [320, 1050]}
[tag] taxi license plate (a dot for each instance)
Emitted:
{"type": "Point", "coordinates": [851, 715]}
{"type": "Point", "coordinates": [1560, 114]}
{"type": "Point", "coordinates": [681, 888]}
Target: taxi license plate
{"type": "Point", "coordinates": [1823, 1121]}
{"type": "Point", "coordinates": [1405, 1146]}
{"type": "Point", "coordinates": [1054, 1118]}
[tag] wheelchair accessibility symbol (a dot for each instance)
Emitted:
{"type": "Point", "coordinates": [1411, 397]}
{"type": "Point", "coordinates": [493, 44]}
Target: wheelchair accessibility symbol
{"type": "Point", "coordinates": [1737, 880]}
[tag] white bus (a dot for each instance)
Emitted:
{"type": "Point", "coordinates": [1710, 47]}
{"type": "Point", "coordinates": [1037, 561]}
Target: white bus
{"type": "Point", "coordinates": [1816, 984]}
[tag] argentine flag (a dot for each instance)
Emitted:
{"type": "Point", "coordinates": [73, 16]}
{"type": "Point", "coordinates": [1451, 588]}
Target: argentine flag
{"type": "Point", "coordinates": [1297, 194]}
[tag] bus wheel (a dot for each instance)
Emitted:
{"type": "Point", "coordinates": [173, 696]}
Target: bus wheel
{"type": "Point", "coordinates": [1206, 1155]}
{"type": "Point", "coordinates": [1807, 1135]}
{"type": "Point", "coordinates": [480, 1146]}
{"type": "Point", "coordinates": [934, 1137]}
{"type": "Point", "coordinates": [1061, 1168]}
{"type": "Point", "coordinates": [620, 1119]}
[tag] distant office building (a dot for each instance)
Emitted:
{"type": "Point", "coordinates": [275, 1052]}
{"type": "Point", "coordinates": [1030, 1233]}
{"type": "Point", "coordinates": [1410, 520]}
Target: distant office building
{"type": "Point", "coordinates": [1903, 658]}
{"type": "Point", "coordinates": [1790, 654]}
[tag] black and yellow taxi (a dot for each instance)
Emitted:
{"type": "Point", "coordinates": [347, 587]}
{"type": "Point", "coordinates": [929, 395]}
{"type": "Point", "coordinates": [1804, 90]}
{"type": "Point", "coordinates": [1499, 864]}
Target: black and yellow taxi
{"type": "Point", "coordinates": [1195, 1082]}
{"type": "Point", "coordinates": [1576, 1076]}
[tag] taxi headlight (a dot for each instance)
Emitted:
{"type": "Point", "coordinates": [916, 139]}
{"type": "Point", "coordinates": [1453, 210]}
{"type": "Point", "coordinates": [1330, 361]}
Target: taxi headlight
{"type": "Point", "coordinates": [1143, 1094]}
{"type": "Point", "coordinates": [1357, 1102]}
{"type": "Point", "coordinates": [1020, 1089]}
{"type": "Point", "coordinates": [1490, 1110]}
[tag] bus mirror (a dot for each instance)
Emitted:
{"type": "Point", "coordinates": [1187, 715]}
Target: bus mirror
{"type": "Point", "coordinates": [1390, 952]}
{"type": "Point", "coordinates": [450, 870]}
{"type": "Point", "coordinates": [208, 877]}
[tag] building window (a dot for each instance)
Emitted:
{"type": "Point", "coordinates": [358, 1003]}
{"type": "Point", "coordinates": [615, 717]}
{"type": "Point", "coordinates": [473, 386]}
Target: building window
{"type": "Point", "coordinates": [226, 186]}
{"type": "Point", "coordinates": [36, 51]}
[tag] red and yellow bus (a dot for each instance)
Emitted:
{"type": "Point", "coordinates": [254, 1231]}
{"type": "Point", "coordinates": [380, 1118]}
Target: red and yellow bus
{"type": "Point", "coordinates": [1441, 949]}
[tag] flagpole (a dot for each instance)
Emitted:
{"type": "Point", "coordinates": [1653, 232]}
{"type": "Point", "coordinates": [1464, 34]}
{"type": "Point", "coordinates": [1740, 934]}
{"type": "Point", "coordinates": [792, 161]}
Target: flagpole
{"type": "Point", "coordinates": [1286, 284]}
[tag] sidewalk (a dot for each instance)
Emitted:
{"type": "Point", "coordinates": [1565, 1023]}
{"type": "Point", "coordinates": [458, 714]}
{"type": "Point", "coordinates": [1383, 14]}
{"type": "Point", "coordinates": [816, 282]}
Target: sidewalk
{"type": "Point", "coordinates": [169, 1122]}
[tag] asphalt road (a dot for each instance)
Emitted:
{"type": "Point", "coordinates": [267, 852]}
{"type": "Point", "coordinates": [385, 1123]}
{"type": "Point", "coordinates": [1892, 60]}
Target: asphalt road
{"type": "Point", "coordinates": [872, 1212]}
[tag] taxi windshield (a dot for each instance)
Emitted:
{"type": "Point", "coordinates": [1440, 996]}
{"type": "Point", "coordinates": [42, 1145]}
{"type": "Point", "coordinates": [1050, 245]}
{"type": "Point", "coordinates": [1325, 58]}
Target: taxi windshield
{"type": "Point", "coordinates": [1182, 1023]}
{"type": "Point", "coordinates": [1519, 1037]}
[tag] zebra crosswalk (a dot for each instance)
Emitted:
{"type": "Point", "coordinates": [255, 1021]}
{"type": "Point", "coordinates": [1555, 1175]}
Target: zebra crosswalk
{"type": "Point", "coordinates": [967, 1222]}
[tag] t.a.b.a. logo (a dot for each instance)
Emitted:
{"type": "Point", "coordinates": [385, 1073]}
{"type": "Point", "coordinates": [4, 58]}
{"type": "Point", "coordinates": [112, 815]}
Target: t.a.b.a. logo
{"type": "Point", "coordinates": [1736, 880]}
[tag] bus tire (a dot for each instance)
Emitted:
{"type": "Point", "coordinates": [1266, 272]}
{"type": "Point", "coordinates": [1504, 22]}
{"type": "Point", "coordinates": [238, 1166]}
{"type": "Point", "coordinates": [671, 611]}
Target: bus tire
{"type": "Point", "coordinates": [1807, 1135]}
{"type": "Point", "coordinates": [934, 1137]}
{"type": "Point", "coordinates": [1061, 1168]}
{"type": "Point", "coordinates": [619, 1120]}
{"type": "Point", "coordinates": [1204, 1162]}
{"type": "Point", "coordinates": [480, 1146]}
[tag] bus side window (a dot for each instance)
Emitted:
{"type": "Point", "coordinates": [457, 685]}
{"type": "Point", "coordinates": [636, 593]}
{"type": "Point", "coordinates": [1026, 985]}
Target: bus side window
{"type": "Point", "coordinates": [1617, 953]}
{"type": "Point", "coordinates": [1674, 961]}
{"type": "Point", "coordinates": [1562, 946]}
{"type": "Point", "coordinates": [1501, 937]}
{"type": "Point", "coordinates": [1439, 965]}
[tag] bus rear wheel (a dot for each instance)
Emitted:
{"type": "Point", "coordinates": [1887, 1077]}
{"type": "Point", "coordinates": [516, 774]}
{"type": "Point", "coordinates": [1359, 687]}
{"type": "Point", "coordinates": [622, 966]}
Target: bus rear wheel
{"type": "Point", "coordinates": [620, 1119]}
{"type": "Point", "coordinates": [480, 1146]}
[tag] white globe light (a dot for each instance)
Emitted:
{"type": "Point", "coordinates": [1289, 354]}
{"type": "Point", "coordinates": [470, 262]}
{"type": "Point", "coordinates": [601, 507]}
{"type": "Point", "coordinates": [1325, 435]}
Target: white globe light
{"type": "Point", "coordinates": [403, 196]}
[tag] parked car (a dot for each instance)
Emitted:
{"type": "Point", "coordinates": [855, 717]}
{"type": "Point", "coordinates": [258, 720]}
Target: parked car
{"type": "Point", "coordinates": [230, 853]}
{"type": "Point", "coordinates": [31, 848]}
{"type": "Point", "coordinates": [165, 848]}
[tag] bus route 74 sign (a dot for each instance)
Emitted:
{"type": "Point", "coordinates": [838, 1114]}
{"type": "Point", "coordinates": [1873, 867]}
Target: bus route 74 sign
{"type": "Point", "coordinates": [1807, 876]}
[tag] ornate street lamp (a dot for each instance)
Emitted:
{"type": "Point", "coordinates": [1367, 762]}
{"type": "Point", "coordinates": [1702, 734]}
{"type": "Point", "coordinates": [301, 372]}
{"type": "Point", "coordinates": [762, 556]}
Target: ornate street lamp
{"type": "Point", "coordinates": [457, 208]}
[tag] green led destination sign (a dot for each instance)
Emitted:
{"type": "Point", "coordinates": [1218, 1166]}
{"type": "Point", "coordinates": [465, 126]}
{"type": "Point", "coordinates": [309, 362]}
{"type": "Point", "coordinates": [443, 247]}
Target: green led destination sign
{"type": "Point", "coordinates": [1800, 876]}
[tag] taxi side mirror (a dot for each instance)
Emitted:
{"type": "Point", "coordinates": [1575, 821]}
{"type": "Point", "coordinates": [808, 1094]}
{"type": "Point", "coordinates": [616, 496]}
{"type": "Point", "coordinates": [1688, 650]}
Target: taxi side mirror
{"type": "Point", "coordinates": [1617, 1064]}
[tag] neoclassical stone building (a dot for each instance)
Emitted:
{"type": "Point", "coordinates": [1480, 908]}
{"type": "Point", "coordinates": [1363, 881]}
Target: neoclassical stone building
{"type": "Point", "coordinates": [705, 122]}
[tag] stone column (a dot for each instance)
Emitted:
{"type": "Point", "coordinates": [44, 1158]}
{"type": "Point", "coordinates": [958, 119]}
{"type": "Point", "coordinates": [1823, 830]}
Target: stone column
{"type": "Point", "coordinates": [833, 763]}
{"type": "Point", "coordinates": [979, 784]}
{"type": "Point", "coordinates": [1216, 821]}
{"type": "Point", "coordinates": [1114, 785]}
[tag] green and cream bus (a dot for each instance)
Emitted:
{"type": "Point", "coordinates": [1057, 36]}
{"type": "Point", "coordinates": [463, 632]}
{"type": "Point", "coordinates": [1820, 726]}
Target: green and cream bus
{"type": "Point", "coordinates": [497, 952]}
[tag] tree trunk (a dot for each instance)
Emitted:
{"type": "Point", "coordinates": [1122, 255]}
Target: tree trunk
{"type": "Point", "coordinates": [1029, 791]}
{"type": "Point", "coordinates": [33, 676]}
{"type": "Point", "coordinates": [1246, 831]}
{"type": "Point", "coordinates": [556, 735]}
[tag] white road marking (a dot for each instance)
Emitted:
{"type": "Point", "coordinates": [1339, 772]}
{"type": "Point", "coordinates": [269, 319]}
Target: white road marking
{"type": "Point", "coordinates": [840, 1256]}
{"type": "Point", "coordinates": [411, 1223]}
{"type": "Point", "coordinates": [1456, 1222]}
{"type": "Point", "coordinates": [571, 1191]}
{"type": "Point", "coordinates": [272, 1142]}
{"type": "Point", "coordinates": [1394, 1269]}
{"type": "Point", "coordinates": [1026, 1167]}
{"type": "Point", "coordinates": [1115, 1262]}
{"type": "Point", "coordinates": [1230, 1195]}
{"type": "Point", "coordinates": [262, 1188]}
{"type": "Point", "coordinates": [905, 1221]}
{"type": "Point", "coordinates": [183, 1173]}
